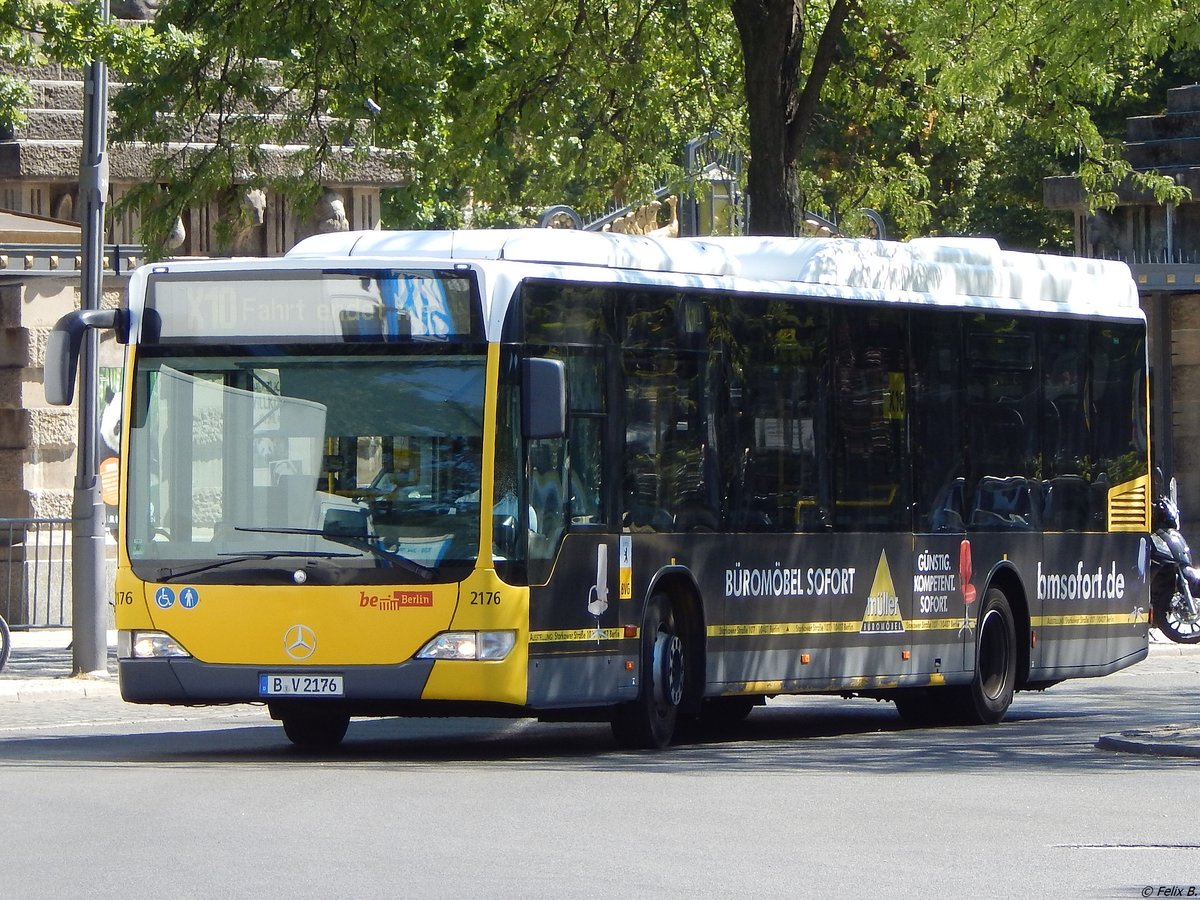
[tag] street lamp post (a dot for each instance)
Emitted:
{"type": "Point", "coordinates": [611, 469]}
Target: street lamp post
{"type": "Point", "coordinates": [88, 610]}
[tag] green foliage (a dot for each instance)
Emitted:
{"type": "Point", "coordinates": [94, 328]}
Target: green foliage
{"type": "Point", "coordinates": [37, 31]}
{"type": "Point", "coordinates": [945, 115]}
{"type": "Point", "coordinates": [587, 103]}
{"type": "Point", "coordinates": [258, 77]}
{"type": "Point", "coordinates": [493, 109]}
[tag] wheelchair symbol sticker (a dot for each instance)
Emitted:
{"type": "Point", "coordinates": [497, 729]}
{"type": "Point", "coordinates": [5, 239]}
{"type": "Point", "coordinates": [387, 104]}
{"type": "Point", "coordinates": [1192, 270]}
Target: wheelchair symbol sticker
{"type": "Point", "coordinates": [165, 598]}
{"type": "Point", "coordinates": [189, 597]}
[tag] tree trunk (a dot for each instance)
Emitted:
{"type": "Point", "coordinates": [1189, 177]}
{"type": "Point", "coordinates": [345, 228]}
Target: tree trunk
{"type": "Point", "coordinates": [780, 111]}
{"type": "Point", "coordinates": [770, 34]}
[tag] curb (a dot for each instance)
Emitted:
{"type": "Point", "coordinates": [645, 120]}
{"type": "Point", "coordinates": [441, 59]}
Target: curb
{"type": "Point", "coordinates": [19, 689]}
{"type": "Point", "coordinates": [1170, 648]}
{"type": "Point", "coordinates": [1169, 740]}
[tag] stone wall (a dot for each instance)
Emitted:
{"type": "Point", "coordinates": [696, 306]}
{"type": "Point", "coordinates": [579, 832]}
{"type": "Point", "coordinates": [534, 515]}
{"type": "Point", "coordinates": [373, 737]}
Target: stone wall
{"type": "Point", "coordinates": [1185, 413]}
{"type": "Point", "coordinates": [37, 441]}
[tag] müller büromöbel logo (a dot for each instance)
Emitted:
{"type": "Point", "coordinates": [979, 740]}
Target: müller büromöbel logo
{"type": "Point", "coordinates": [882, 615]}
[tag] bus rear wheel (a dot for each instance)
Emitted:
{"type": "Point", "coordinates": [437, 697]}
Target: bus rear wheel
{"type": "Point", "coordinates": [649, 722]}
{"type": "Point", "coordinates": [987, 698]}
{"type": "Point", "coordinates": [990, 693]}
{"type": "Point", "coordinates": [315, 731]}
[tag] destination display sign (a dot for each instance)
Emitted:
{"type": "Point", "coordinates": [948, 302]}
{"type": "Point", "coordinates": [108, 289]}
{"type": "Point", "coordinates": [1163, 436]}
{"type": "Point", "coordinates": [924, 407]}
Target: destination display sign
{"type": "Point", "coordinates": [373, 305]}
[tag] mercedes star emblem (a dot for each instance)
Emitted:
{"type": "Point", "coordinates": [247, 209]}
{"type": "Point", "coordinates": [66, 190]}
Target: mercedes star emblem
{"type": "Point", "coordinates": [300, 642]}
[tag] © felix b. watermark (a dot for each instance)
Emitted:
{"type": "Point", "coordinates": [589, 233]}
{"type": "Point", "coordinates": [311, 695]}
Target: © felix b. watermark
{"type": "Point", "coordinates": [1171, 890]}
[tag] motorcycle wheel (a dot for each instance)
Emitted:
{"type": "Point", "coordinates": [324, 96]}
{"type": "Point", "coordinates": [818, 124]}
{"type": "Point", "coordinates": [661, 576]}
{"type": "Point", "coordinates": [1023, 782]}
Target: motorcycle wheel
{"type": "Point", "coordinates": [1170, 612]}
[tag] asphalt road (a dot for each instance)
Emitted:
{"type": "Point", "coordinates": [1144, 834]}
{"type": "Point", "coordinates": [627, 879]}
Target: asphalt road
{"type": "Point", "coordinates": [811, 797]}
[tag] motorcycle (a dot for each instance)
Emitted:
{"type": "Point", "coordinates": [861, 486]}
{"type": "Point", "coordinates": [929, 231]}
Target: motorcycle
{"type": "Point", "coordinates": [1175, 582]}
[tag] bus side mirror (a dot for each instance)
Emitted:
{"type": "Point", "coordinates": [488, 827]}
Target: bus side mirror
{"type": "Point", "coordinates": [544, 399]}
{"type": "Point", "coordinates": [63, 346]}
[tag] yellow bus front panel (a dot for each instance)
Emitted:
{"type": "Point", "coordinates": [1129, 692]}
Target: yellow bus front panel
{"type": "Point", "coordinates": [214, 644]}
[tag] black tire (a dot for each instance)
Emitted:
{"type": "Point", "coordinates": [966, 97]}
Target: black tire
{"type": "Point", "coordinates": [315, 731]}
{"type": "Point", "coordinates": [649, 722]}
{"type": "Point", "coordinates": [5, 642]}
{"type": "Point", "coordinates": [1170, 614]}
{"type": "Point", "coordinates": [988, 697]}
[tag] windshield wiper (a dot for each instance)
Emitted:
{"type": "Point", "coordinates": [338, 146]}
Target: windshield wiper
{"type": "Point", "coordinates": [425, 573]}
{"type": "Point", "coordinates": [166, 574]}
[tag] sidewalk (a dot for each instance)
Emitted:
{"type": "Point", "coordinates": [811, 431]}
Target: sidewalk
{"type": "Point", "coordinates": [39, 667]}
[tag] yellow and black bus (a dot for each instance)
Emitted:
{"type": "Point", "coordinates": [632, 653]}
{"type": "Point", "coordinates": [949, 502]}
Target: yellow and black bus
{"type": "Point", "coordinates": [567, 475]}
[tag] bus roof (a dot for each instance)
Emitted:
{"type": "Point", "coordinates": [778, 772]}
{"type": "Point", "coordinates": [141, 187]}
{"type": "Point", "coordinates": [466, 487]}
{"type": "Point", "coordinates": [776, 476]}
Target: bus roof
{"type": "Point", "coordinates": [942, 268]}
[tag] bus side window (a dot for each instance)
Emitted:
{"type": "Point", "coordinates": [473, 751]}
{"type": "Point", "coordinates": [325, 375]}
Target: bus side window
{"type": "Point", "coordinates": [509, 540]}
{"type": "Point", "coordinates": [938, 463]}
{"type": "Point", "coordinates": [1067, 495]}
{"type": "Point", "coordinates": [1118, 408]}
{"type": "Point", "coordinates": [547, 505]}
{"type": "Point", "coordinates": [585, 476]}
{"type": "Point", "coordinates": [586, 425]}
{"type": "Point", "coordinates": [870, 353]}
{"type": "Point", "coordinates": [778, 482]}
{"type": "Point", "coordinates": [1004, 422]}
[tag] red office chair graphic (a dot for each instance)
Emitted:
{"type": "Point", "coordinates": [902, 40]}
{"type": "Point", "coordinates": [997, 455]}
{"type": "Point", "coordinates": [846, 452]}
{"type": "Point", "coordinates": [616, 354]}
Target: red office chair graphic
{"type": "Point", "coordinates": [968, 589]}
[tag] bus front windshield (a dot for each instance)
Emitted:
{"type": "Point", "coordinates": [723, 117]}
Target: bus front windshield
{"type": "Point", "coordinates": [294, 464]}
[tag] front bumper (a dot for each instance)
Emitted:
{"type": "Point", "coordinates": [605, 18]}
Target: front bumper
{"type": "Point", "coordinates": [189, 681]}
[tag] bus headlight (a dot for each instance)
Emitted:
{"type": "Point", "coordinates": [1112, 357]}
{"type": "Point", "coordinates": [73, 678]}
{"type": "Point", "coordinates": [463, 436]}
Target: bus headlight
{"type": "Point", "coordinates": [479, 645]}
{"type": "Point", "coordinates": [147, 645]}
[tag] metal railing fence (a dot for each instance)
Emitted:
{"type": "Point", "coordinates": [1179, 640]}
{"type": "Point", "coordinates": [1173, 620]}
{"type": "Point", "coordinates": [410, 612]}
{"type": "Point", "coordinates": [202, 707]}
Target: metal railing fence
{"type": "Point", "coordinates": [35, 578]}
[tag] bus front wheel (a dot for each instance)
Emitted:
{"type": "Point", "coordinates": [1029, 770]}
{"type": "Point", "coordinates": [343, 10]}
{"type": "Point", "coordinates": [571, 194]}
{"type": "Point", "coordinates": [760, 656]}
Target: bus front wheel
{"type": "Point", "coordinates": [311, 731]}
{"type": "Point", "coordinates": [649, 722]}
